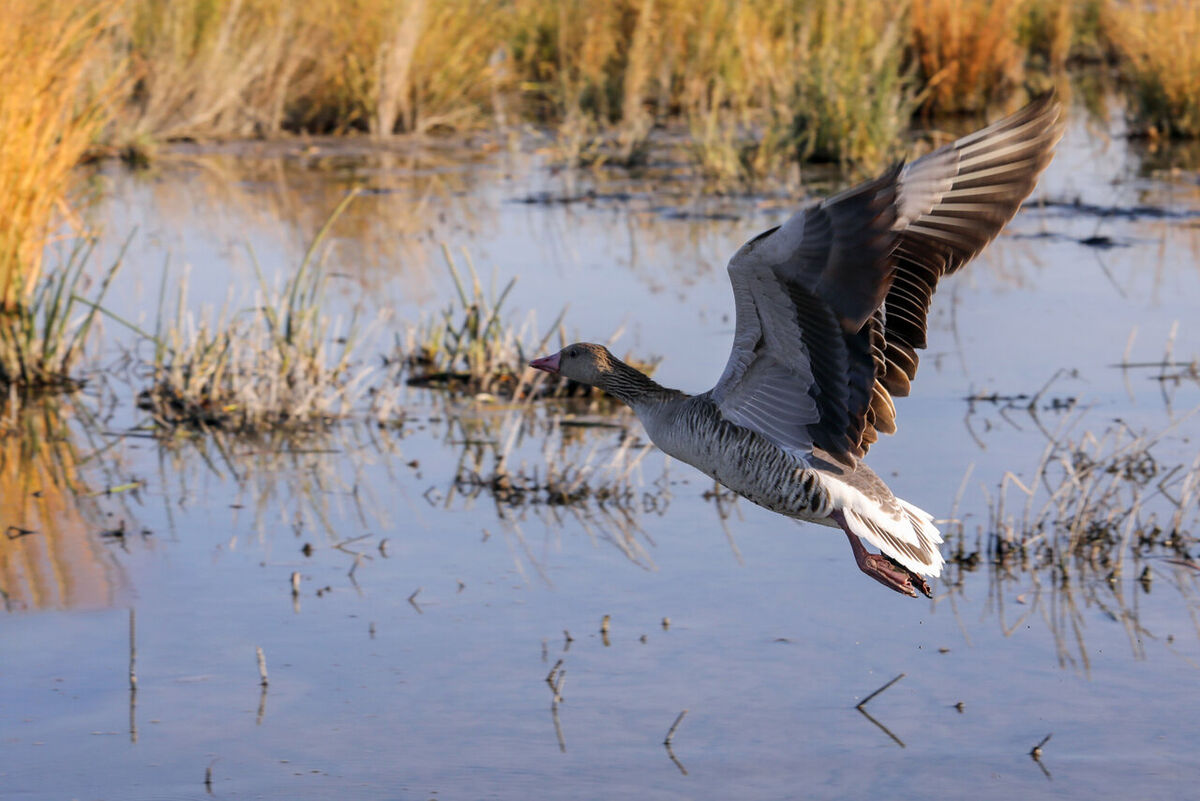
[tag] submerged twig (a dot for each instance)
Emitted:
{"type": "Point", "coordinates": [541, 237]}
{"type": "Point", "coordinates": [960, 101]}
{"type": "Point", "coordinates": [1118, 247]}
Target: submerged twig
{"type": "Point", "coordinates": [881, 727]}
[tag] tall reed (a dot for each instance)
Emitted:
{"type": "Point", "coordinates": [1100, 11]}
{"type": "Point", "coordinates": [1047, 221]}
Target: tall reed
{"type": "Point", "coordinates": [968, 51]}
{"type": "Point", "coordinates": [55, 101]}
{"type": "Point", "coordinates": [204, 68]}
{"type": "Point", "coordinates": [1157, 42]}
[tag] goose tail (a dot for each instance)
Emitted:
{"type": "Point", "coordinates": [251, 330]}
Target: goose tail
{"type": "Point", "coordinates": [909, 537]}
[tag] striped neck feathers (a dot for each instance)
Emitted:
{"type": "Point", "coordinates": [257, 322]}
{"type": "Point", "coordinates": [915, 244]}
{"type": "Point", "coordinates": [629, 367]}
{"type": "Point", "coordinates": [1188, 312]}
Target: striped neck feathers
{"type": "Point", "coordinates": [630, 385]}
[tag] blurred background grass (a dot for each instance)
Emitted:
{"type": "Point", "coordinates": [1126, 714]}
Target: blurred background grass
{"type": "Point", "coordinates": [752, 87]}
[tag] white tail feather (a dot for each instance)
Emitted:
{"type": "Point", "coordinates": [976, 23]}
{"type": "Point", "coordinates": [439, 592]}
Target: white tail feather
{"type": "Point", "coordinates": [911, 538]}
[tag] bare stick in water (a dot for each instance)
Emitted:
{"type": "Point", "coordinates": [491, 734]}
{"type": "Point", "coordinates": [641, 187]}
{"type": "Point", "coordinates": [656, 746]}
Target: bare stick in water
{"type": "Point", "coordinates": [1035, 754]}
{"type": "Point", "coordinates": [262, 706]}
{"type": "Point", "coordinates": [674, 726]}
{"type": "Point", "coordinates": [558, 685]}
{"type": "Point", "coordinates": [132, 649]}
{"type": "Point", "coordinates": [864, 701]}
{"type": "Point", "coordinates": [262, 666]}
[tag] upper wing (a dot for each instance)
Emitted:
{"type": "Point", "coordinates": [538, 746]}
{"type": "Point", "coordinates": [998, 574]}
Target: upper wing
{"type": "Point", "coordinates": [952, 203]}
{"type": "Point", "coordinates": [832, 305]}
{"type": "Point", "coordinates": [801, 371]}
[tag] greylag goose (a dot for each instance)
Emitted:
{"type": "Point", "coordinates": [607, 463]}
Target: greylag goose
{"type": "Point", "coordinates": [831, 308]}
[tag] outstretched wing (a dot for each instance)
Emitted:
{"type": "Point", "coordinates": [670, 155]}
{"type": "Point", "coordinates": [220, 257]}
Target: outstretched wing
{"type": "Point", "coordinates": [952, 203]}
{"type": "Point", "coordinates": [799, 371]}
{"type": "Point", "coordinates": [832, 305]}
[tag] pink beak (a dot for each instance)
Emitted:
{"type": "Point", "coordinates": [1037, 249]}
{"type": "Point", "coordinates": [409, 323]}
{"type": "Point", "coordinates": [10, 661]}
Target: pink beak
{"type": "Point", "coordinates": [548, 363]}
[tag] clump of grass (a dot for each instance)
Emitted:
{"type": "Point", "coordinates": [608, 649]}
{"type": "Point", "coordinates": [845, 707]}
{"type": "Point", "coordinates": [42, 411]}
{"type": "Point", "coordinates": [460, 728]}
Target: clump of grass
{"type": "Point", "coordinates": [281, 364]}
{"type": "Point", "coordinates": [968, 51]}
{"type": "Point", "coordinates": [1098, 516]}
{"type": "Point", "coordinates": [405, 66]}
{"type": "Point", "coordinates": [473, 347]}
{"type": "Point", "coordinates": [470, 346]}
{"type": "Point", "coordinates": [42, 339]}
{"type": "Point", "coordinates": [52, 108]}
{"type": "Point", "coordinates": [854, 98]}
{"type": "Point", "coordinates": [1157, 46]}
{"type": "Point", "coordinates": [1094, 502]}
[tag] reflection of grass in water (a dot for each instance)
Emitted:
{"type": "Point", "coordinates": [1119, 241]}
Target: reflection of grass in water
{"type": "Point", "coordinates": [59, 563]}
{"type": "Point", "coordinates": [1098, 517]}
{"type": "Point", "coordinates": [314, 483]}
{"type": "Point", "coordinates": [574, 468]}
{"type": "Point", "coordinates": [406, 190]}
{"type": "Point", "coordinates": [549, 469]}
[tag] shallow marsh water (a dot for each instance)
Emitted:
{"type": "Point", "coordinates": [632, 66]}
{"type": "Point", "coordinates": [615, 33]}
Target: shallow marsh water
{"type": "Point", "coordinates": [412, 662]}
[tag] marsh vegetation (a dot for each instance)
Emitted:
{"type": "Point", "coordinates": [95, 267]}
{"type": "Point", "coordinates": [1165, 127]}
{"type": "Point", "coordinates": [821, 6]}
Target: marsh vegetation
{"type": "Point", "coordinates": [272, 395]}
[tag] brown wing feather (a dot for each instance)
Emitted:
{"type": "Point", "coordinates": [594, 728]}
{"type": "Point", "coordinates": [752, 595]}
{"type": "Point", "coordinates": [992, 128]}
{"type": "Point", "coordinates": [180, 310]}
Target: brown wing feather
{"type": "Point", "coordinates": [963, 195]}
{"type": "Point", "coordinates": [840, 293]}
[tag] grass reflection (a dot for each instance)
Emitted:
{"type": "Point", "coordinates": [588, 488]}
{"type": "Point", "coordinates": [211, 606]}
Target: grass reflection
{"type": "Point", "coordinates": [51, 555]}
{"type": "Point", "coordinates": [560, 470]}
{"type": "Point", "coordinates": [1090, 529]}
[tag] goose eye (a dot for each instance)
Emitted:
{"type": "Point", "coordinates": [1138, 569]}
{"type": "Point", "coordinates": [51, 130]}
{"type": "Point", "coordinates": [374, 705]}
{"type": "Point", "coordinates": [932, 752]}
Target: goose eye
{"type": "Point", "coordinates": [574, 352]}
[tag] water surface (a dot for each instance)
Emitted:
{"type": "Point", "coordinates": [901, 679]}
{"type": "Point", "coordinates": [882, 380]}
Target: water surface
{"type": "Point", "coordinates": [412, 661]}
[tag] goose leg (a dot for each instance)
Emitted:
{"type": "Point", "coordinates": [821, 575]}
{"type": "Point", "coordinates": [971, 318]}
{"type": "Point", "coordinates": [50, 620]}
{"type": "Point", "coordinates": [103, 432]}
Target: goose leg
{"type": "Point", "coordinates": [886, 571]}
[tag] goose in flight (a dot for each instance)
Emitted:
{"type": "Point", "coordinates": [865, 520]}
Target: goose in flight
{"type": "Point", "coordinates": [831, 309]}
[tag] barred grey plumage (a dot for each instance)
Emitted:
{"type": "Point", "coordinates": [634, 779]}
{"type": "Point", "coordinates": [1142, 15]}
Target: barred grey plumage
{"type": "Point", "coordinates": [831, 309]}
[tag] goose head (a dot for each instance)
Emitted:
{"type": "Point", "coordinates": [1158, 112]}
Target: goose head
{"type": "Point", "coordinates": [582, 362]}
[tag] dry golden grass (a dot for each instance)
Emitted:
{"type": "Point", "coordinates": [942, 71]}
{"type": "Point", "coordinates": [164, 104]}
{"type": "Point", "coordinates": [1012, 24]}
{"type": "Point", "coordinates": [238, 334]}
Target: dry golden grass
{"type": "Point", "coordinates": [54, 103]}
{"type": "Point", "coordinates": [740, 72]}
{"type": "Point", "coordinates": [760, 83]}
{"type": "Point", "coordinates": [1157, 43]}
{"type": "Point", "coordinates": [211, 67]}
{"type": "Point", "coordinates": [968, 51]}
{"type": "Point", "coordinates": [403, 66]}
{"type": "Point", "coordinates": [1047, 28]}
